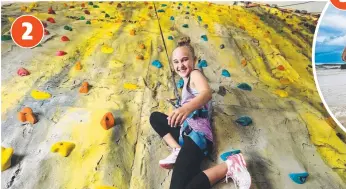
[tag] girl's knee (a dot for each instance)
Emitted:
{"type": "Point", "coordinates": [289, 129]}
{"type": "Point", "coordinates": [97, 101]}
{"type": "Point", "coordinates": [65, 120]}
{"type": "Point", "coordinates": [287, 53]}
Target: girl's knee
{"type": "Point", "coordinates": [153, 117]}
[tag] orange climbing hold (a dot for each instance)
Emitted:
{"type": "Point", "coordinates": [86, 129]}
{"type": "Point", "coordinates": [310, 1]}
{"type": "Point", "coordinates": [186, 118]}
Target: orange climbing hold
{"type": "Point", "coordinates": [84, 88]}
{"type": "Point", "coordinates": [284, 81]}
{"type": "Point", "coordinates": [139, 57]}
{"type": "Point", "coordinates": [108, 121]}
{"type": "Point", "coordinates": [78, 66]}
{"type": "Point", "coordinates": [26, 114]}
{"type": "Point", "coordinates": [281, 68]}
{"type": "Point", "coordinates": [51, 11]}
{"type": "Point", "coordinates": [133, 32]}
{"type": "Point", "coordinates": [82, 5]}
{"type": "Point", "coordinates": [243, 62]}
{"type": "Point", "coordinates": [65, 38]}
{"type": "Point", "coordinates": [142, 46]}
{"type": "Point", "coordinates": [51, 20]}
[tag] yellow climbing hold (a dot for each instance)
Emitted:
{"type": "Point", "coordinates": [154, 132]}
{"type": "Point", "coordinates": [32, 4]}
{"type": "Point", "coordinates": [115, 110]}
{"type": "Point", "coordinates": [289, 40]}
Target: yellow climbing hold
{"type": "Point", "coordinates": [281, 93]}
{"type": "Point", "coordinates": [6, 154]}
{"type": "Point", "coordinates": [107, 49]}
{"type": "Point", "coordinates": [40, 95]}
{"type": "Point", "coordinates": [130, 86]}
{"type": "Point", "coordinates": [63, 148]}
{"type": "Point", "coordinates": [11, 19]}
{"type": "Point", "coordinates": [105, 187]}
{"type": "Point", "coordinates": [284, 81]}
{"type": "Point", "coordinates": [33, 5]}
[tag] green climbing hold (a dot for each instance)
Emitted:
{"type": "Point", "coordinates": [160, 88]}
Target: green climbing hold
{"type": "Point", "coordinates": [90, 3]}
{"type": "Point", "coordinates": [88, 22]}
{"type": "Point", "coordinates": [96, 6]}
{"type": "Point", "coordinates": [163, 5]}
{"type": "Point", "coordinates": [244, 120]}
{"type": "Point", "coordinates": [170, 37]}
{"type": "Point", "coordinates": [171, 18]}
{"type": "Point", "coordinates": [180, 4]}
{"type": "Point", "coordinates": [68, 28]}
{"type": "Point", "coordinates": [225, 73]}
{"type": "Point", "coordinates": [103, 11]}
{"type": "Point", "coordinates": [185, 26]}
{"type": "Point", "coordinates": [107, 16]}
{"type": "Point", "coordinates": [262, 18]}
{"type": "Point", "coordinates": [6, 37]}
{"type": "Point", "coordinates": [204, 37]}
{"type": "Point", "coordinates": [188, 7]}
{"type": "Point", "coordinates": [82, 18]}
{"type": "Point", "coordinates": [161, 10]}
{"type": "Point", "coordinates": [199, 18]}
{"type": "Point", "coordinates": [244, 86]}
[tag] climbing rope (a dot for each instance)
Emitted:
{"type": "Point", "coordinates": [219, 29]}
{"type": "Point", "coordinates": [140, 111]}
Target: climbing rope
{"type": "Point", "coordinates": [170, 66]}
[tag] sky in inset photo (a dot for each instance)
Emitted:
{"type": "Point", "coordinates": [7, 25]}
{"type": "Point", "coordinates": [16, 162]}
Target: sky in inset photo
{"type": "Point", "coordinates": [331, 36]}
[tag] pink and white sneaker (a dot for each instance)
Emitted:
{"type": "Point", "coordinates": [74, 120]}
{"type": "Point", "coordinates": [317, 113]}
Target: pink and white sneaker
{"type": "Point", "coordinates": [238, 172]}
{"type": "Point", "coordinates": [169, 161]}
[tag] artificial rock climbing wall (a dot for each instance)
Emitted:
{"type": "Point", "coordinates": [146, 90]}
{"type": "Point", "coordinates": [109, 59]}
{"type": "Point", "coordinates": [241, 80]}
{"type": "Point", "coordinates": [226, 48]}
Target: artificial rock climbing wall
{"type": "Point", "coordinates": [113, 46]}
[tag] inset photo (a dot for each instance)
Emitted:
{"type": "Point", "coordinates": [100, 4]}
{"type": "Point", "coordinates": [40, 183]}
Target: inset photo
{"type": "Point", "coordinates": [330, 61]}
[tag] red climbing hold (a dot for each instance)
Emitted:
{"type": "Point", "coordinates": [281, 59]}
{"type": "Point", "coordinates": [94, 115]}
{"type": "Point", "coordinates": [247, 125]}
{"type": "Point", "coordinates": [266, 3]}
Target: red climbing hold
{"type": "Point", "coordinates": [44, 24]}
{"type": "Point", "coordinates": [60, 53]}
{"type": "Point", "coordinates": [46, 32]}
{"type": "Point", "coordinates": [281, 68]}
{"type": "Point", "coordinates": [64, 38]}
{"type": "Point", "coordinates": [51, 11]}
{"type": "Point", "coordinates": [23, 72]}
{"type": "Point", "coordinates": [86, 12]}
{"type": "Point", "coordinates": [51, 20]}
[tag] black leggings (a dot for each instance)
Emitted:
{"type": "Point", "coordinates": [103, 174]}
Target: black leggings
{"type": "Point", "coordinates": [187, 173]}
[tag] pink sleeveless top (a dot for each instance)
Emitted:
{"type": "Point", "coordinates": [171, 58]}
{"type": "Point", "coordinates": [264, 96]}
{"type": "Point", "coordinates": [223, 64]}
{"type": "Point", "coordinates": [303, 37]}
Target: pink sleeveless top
{"type": "Point", "coordinates": [197, 124]}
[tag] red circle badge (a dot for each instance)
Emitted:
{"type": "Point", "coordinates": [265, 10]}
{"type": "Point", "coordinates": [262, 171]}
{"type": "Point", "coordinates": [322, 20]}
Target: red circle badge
{"type": "Point", "coordinates": [27, 31]}
{"type": "Point", "coordinates": [339, 4]}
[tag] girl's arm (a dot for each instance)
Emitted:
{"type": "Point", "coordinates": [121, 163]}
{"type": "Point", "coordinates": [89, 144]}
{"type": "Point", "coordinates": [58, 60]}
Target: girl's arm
{"type": "Point", "coordinates": [200, 83]}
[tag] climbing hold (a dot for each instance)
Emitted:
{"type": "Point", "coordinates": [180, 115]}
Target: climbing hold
{"type": "Point", "coordinates": [187, 7]}
{"type": "Point", "coordinates": [225, 73]}
{"type": "Point", "coordinates": [243, 62]}
{"type": "Point", "coordinates": [46, 32]}
{"type": "Point", "coordinates": [6, 155]}
{"type": "Point", "coordinates": [68, 28]}
{"type": "Point", "coordinates": [44, 24]}
{"type": "Point", "coordinates": [163, 5]}
{"type": "Point", "coordinates": [225, 155]}
{"type": "Point", "coordinates": [185, 26]}
{"type": "Point", "coordinates": [180, 83]}
{"type": "Point", "coordinates": [107, 121]}
{"type": "Point", "coordinates": [178, 7]}
{"type": "Point", "coordinates": [78, 66]}
{"type": "Point", "coordinates": [86, 12]}
{"type": "Point", "coordinates": [96, 6]}
{"type": "Point", "coordinates": [63, 148]}
{"type": "Point", "coordinates": [142, 46]}
{"type": "Point", "coordinates": [205, 26]}
{"type": "Point", "coordinates": [160, 48]}
{"type": "Point", "coordinates": [88, 22]}
{"type": "Point", "coordinates": [107, 15]}
{"type": "Point", "coordinates": [82, 18]}
{"type": "Point", "coordinates": [222, 46]}
{"type": "Point", "coordinates": [199, 18]}
{"type": "Point", "coordinates": [157, 64]}
{"type": "Point", "coordinates": [64, 38]}
{"type": "Point", "coordinates": [119, 5]}
{"type": "Point", "coordinates": [60, 53]}
{"type": "Point", "coordinates": [6, 37]}
{"type": "Point", "coordinates": [281, 93]}
{"type": "Point", "coordinates": [180, 4]}
{"type": "Point", "coordinates": [51, 11]}
{"type": "Point", "coordinates": [202, 63]}
{"type": "Point", "coordinates": [299, 178]}
{"type": "Point", "coordinates": [82, 5]}
{"type": "Point", "coordinates": [71, 7]}
{"type": "Point", "coordinates": [40, 95]}
{"type": "Point", "coordinates": [161, 10]}
{"type": "Point", "coordinates": [284, 81]}
{"type": "Point", "coordinates": [133, 32]}
{"type": "Point", "coordinates": [23, 72]}
{"type": "Point", "coordinates": [187, 13]}
{"type": "Point", "coordinates": [130, 86]}
{"type": "Point", "coordinates": [139, 57]}
{"type": "Point", "coordinates": [281, 68]}
{"type": "Point", "coordinates": [27, 115]}
{"type": "Point", "coordinates": [107, 49]}
{"type": "Point", "coordinates": [242, 27]}
{"type": "Point", "coordinates": [90, 3]}
{"type": "Point", "coordinates": [150, 7]}
{"type": "Point", "coordinates": [244, 86]}
{"type": "Point", "coordinates": [51, 20]}
{"type": "Point", "coordinates": [171, 18]}
{"type": "Point", "coordinates": [204, 37]}
{"type": "Point", "coordinates": [172, 28]}
{"type": "Point", "coordinates": [84, 88]}
{"type": "Point", "coordinates": [222, 91]}
{"type": "Point", "coordinates": [170, 37]}
{"type": "Point", "coordinates": [244, 120]}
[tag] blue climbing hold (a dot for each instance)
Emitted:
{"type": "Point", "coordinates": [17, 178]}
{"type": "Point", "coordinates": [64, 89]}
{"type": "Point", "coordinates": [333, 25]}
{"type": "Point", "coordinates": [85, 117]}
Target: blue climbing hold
{"type": "Point", "coordinates": [157, 64]}
{"type": "Point", "coordinates": [161, 10]}
{"type": "Point", "coordinates": [202, 63]}
{"type": "Point", "coordinates": [299, 178]}
{"type": "Point", "coordinates": [199, 18]}
{"type": "Point", "coordinates": [170, 37]}
{"type": "Point", "coordinates": [225, 73]}
{"type": "Point", "coordinates": [180, 83]}
{"type": "Point", "coordinates": [204, 37]}
{"type": "Point", "coordinates": [244, 86]}
{"type": "Point", "coordinates": [185, 25]}
{"type": "Point", "coordinates": [171, 18]}
{"type": "Point", "coordinates": [226, 154]}
{"type": "Point", "coordinates": [244, 120]}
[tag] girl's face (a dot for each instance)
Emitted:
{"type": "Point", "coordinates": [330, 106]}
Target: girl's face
{"type": "Point", "coordinates": [183, 61]}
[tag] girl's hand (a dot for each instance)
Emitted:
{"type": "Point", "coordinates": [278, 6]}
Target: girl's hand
{"type": "Point", "coordinates": [178, 116]}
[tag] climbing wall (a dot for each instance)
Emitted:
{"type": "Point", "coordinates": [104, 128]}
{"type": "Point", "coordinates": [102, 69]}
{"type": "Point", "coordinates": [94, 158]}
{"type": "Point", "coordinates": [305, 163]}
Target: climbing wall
{"type": "Point", "coordinates": [257, 61]}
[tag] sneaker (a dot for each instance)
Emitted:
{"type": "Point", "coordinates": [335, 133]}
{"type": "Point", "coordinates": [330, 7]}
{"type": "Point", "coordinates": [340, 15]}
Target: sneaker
{"type": "Point", "coordinates": [169, 161]}
{"type": "Point", "coordinates": [237, 171]}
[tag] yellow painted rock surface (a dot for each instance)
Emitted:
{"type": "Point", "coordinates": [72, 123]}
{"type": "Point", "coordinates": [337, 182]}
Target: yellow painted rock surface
{"type": "Point", "coordinates": [290, 134]}
{"type": "Point", "coordinates": [6, 155]}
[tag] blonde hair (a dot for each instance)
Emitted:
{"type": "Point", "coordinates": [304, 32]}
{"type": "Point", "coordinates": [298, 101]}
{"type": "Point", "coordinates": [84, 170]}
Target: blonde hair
{"type": "Point", "coordinates": [185, 42]}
